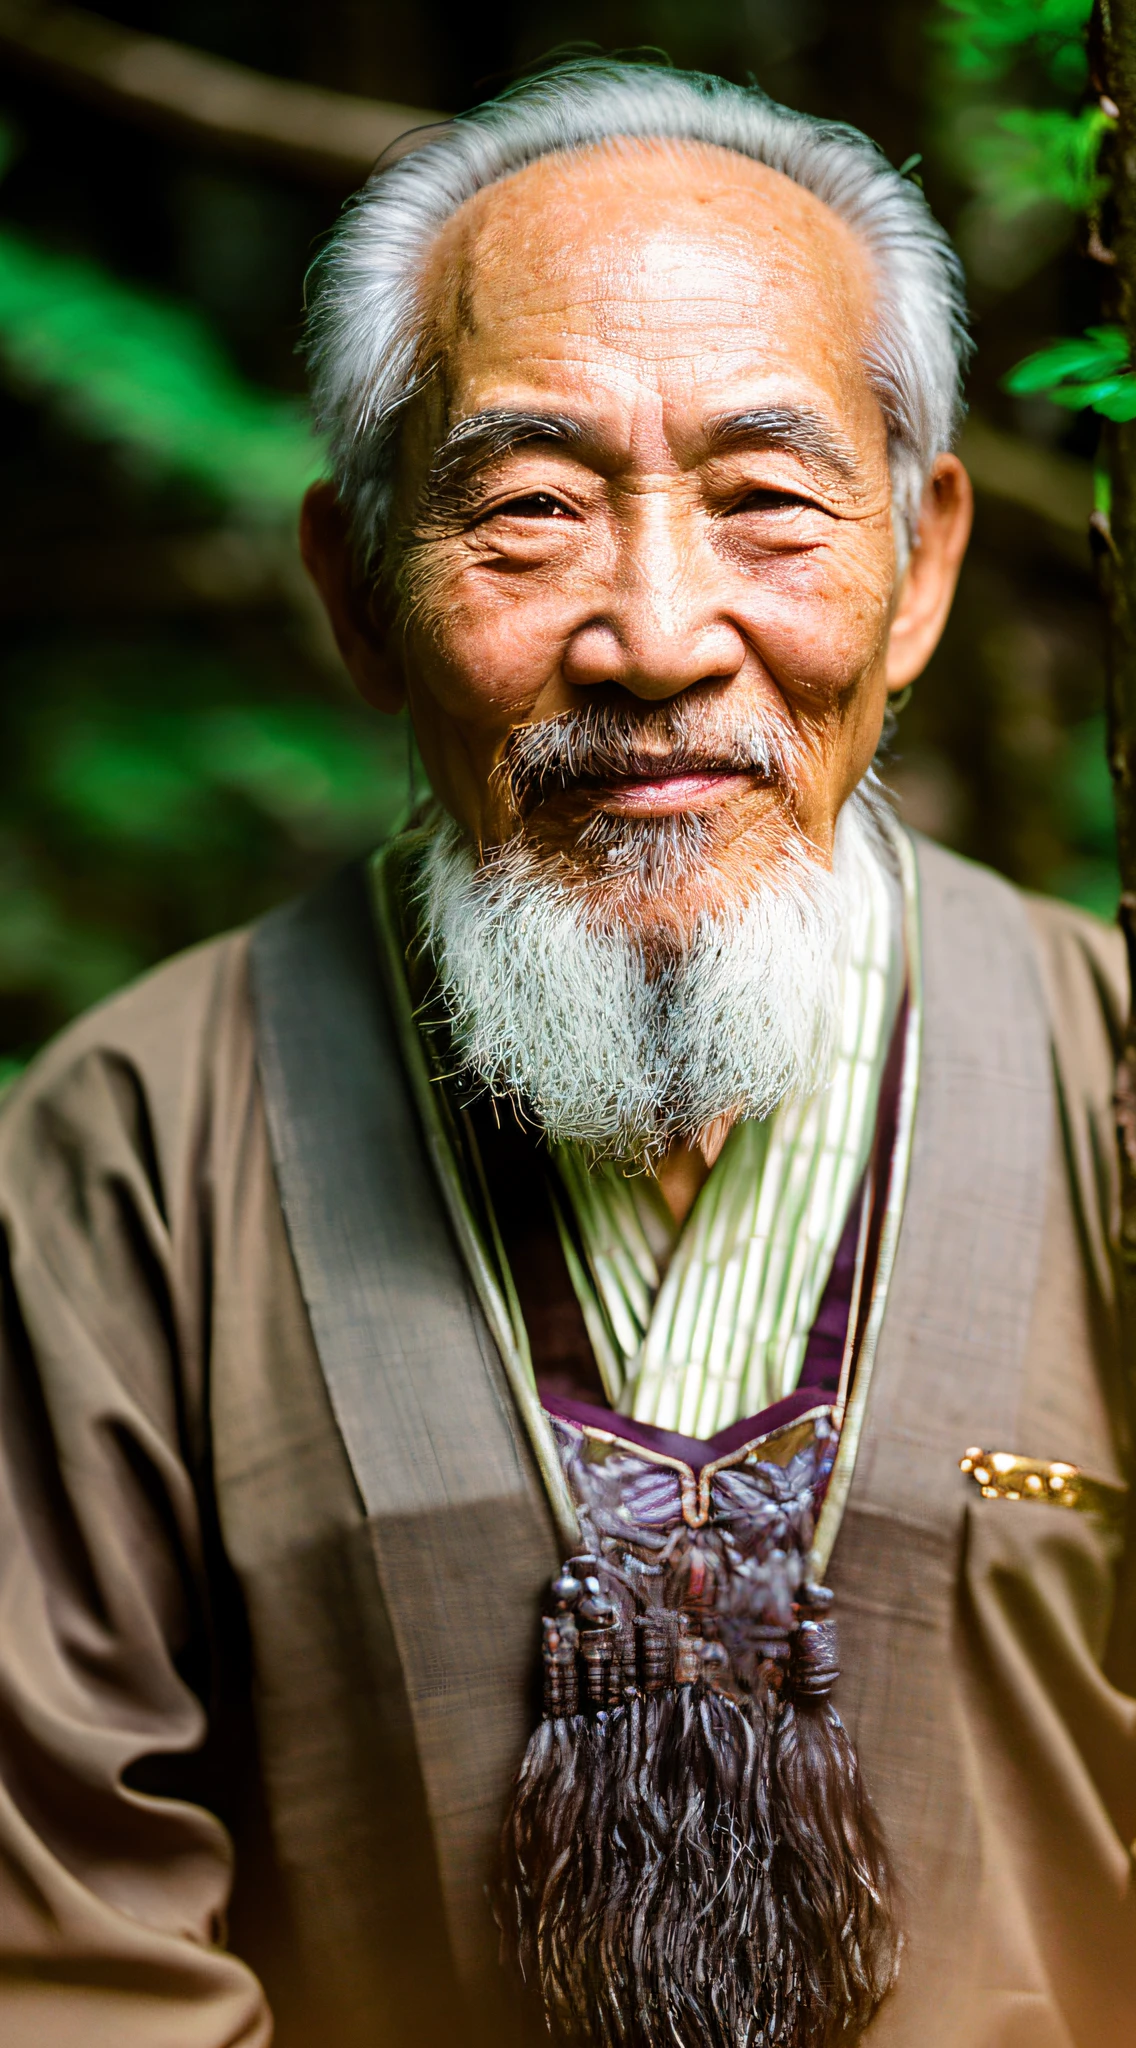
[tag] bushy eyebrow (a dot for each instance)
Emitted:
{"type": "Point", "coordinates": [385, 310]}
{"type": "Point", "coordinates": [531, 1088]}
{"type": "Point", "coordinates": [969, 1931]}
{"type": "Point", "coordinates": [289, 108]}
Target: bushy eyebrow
{"type": "Point", "coordinates": [796, 428]}
{"type": "Point", "coordinates": [471, 444]}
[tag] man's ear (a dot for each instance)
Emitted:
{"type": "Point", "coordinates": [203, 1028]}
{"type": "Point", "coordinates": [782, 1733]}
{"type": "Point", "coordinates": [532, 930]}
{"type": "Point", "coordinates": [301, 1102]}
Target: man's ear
{"type": "Point", "coordinates": [932, 573]}
{"type": "Point", "coordinates": [361, 633]}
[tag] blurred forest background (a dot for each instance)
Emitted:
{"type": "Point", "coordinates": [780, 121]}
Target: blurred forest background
{"type": "Point", "coordinates": [178, 745]}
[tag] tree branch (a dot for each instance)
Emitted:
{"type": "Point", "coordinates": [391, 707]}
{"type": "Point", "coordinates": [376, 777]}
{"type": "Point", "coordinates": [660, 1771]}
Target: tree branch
{"type": "Point", "coordinates": [1112, 45]}
{"type": "Point", "coordinates": [193, 97]}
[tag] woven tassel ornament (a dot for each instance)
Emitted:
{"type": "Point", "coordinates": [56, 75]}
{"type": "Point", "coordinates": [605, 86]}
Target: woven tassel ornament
{"type": "Point", "coordinates": [690, 1858]}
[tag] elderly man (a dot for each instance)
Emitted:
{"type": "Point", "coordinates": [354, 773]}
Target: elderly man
{"type": "Point", "coordinates": [540, 1289]}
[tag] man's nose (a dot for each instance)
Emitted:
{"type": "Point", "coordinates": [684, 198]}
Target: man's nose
{"type": "Point", "coordinates": [659, 627]}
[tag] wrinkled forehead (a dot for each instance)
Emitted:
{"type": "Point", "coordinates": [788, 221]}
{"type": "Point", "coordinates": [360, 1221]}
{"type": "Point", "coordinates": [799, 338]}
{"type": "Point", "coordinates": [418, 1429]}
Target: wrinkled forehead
{"type": "Point", "coordinates": [681, 256]}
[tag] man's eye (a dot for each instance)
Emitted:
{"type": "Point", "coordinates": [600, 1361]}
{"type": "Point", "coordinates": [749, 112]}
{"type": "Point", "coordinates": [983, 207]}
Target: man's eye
{"type": "Point", "coordinates": [771, 501]}
{"type": "Point", "coordinates": [536, 505]}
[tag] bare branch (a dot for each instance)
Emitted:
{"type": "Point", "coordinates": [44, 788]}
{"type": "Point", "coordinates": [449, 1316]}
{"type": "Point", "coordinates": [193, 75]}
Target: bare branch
{"type": "Point", "coordinates": [193, 97]}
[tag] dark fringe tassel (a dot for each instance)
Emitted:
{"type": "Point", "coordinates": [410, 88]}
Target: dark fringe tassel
{"type": "Point", "coordinates": [699, 1870]}
{"type": "Point", "coordinates": [637, 1856]}
{"type": "Point", "coordinates": [830, 1865]}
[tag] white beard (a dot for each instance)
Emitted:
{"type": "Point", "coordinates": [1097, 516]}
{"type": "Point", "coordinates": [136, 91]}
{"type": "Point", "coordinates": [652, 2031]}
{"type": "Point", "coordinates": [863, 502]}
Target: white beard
{"type": "Point", "coordinates": [566, 1017]}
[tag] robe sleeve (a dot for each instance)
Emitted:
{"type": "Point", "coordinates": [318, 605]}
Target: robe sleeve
{"type": "Point", "coordinates": [113, 1893]}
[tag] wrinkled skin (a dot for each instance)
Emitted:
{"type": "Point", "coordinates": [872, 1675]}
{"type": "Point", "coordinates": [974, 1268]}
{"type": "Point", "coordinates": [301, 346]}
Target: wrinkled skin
{"type": "Point", "coordinates": [643, 294]}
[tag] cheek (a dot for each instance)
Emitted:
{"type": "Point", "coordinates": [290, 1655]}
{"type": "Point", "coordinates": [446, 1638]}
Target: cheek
{"type": "Point", "coordinates": [820, 621]}
{"type": "Point", "coordinates": [490, 642]}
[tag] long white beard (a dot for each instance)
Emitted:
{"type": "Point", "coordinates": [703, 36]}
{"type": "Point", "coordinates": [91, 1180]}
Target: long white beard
{"type": "Point", "coordinates": [598, 1047]}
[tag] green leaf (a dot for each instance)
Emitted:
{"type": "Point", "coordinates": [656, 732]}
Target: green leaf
{"type": "Point", "coordinates": [1019, 157]}
{"type": "Point", "coordinates": [126, 366]}
{"type": "Point", "coordinates": [1120, 404]}
{"type": "Point", "coordinates": [1090, 374]}
{"type": "Point", "coordinates": [1089, 356]}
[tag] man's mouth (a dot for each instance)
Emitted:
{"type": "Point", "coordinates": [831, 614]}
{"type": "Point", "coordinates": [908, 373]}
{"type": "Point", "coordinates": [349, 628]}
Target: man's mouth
{"type": "Point", "coordinates": [663, 793]}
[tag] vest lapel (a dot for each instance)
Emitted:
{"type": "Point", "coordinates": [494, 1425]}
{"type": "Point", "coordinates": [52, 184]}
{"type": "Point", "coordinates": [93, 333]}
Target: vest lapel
{"type": "Point", "coordinates": [948, 1373]}
{"type": "Point", "coordinates": [949, 1364]}
{"type": "Point", "coordinates": [463, 1536]}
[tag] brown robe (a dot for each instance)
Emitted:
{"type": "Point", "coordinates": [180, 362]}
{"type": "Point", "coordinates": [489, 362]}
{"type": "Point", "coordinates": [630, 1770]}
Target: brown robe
{"type": "Point", "coordinates": [267, 1610]}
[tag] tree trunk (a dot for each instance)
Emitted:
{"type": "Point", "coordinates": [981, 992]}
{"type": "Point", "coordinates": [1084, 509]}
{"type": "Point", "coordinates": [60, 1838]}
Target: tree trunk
{"type": "Point", "coordinates": [1114, 35]}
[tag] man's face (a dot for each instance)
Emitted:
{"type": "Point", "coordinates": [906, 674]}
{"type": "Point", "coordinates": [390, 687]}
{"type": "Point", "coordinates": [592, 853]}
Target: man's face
{"type": "Point", "coordinates": [649, 477]}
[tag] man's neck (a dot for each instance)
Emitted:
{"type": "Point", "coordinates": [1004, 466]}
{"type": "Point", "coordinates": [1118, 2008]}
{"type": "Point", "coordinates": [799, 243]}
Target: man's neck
{"type": "Point", "coordinates": [682, 1174]}
{"type": "Point", "coordinates": [684, 1171]}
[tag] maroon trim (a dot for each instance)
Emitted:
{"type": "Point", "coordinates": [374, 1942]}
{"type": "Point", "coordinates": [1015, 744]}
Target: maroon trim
{"type": "Point", "coordinates": [693, 1451]}
{"type": "Point", "coordinates": [824, 1352]}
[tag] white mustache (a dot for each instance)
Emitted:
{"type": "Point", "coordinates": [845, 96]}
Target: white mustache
{"type": "Point", "coordinates": [607, 742]}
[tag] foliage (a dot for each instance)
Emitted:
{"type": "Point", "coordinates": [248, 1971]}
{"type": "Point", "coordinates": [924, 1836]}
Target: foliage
{"type": "Point", "coordinates": [123, 365]}
{"type": "Point", "coordinates": [1084, 795]}
{"type": "Point", "coordinates": [152, 789]}
{"type": "Point", "coordinates": [1092, 374]}
{"type": "Point", "coordinates": [986, 39]}
{"type": "Point", "coordinates": [1018, 158]}
{"type": "Point", "coordinates": [1024, 155]}
{"type": "Point", "coordinates": [158, 781]}
{"type": "Point", "coordinates": [150, 792]}
{"type": "Point", "coordinates": [1010, 84]}
{"type": "Point", "coordinates": [1019, 128]}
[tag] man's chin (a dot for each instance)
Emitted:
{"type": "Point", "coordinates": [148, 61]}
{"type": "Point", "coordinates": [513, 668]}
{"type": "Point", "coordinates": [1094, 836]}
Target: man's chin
{"type": "Point", "coordinates": [664, 919]}
{"type": "Point", "coordinates": [660, 878]}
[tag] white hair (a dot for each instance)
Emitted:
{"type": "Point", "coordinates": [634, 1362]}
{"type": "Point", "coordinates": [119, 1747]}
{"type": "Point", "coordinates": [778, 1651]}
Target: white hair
{"type": "Point", "coordinates": [567, 1016]}
{"type": "Point", "coordinates": [366, 334]}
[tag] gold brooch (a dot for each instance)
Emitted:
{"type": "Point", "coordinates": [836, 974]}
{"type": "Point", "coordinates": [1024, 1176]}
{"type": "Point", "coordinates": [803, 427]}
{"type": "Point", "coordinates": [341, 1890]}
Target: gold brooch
{"type": "Point", "coordinates": [1005, 1475]}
